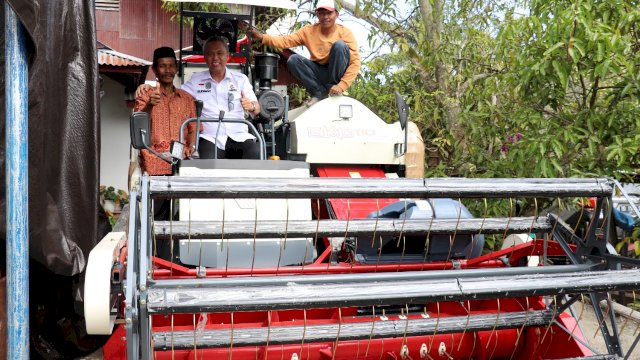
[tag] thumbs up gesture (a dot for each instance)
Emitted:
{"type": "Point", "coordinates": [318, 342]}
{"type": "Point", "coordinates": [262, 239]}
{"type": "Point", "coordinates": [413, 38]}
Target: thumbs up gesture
{"type": "Point", "coordinates": [154, 97]}
{"type": "Point", "coordinates": [251, 107]}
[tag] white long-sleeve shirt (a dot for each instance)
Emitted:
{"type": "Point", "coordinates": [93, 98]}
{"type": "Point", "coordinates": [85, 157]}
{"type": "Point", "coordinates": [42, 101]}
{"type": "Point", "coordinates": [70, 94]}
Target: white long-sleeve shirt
{"type": "Point", "coordinates": [224, 95]}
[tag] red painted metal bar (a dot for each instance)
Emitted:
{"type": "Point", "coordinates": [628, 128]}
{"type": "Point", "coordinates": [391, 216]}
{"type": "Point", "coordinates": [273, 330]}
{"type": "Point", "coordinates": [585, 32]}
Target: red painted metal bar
{"type": "Point", "coordinates": [165, 269]}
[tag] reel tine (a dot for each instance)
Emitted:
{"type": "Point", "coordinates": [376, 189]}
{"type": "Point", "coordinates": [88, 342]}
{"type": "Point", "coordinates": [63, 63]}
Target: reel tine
{"type": "Point", "coordinates": [373, 325]}
{"type": "Point", "coordinates": [173, 353]}
{"type": "Point", "coordinates": [222, 226]}
{"type": "Point", "coordinates": [401, 236]}
{"type": "Point", "coordinates": [266, 346]}
{"type": "Point", "coordinates": [506, 229]}
{"type": "Point", "coordinates": [555, 313]}
{"type": "Point", "coordinates": [373, 238]}
{"type": "Point", "coordinates": [605, 219]}
{"type": "Point", "coordinates": [484, 217]}
{"type": "Point", "coordinates": [335, 344]}
{"type": "Point", "coordinates": [375, 227]}
{"type": "Point", "coordinates": [609, 313]}
{"type": "Point", "coordinates": [315, 237]}
{"type": "Point", "coordinates": [255, 235]}
{"type": "Point", "coordinates": [304, 331]}
{"type": "Point", "coordinates": [189, 227]}
{"type": "Point", "coordinates": [402, 226]}
{"type": "Point", "coordinates": [231, 342]}
{"type": "Point", "coordinates": [588, 229]}
{"type": "Point", "coordinates": [493, 330]}
{"type": "Point", "coordinates": [452, 238]}
{"type": "Point", "coordinates": [404, 342]}
{"type": "Point", "coordinates": [453, 343]}
{"type": "Point", "coordinates": [284, 242]}
{"type": "Point", "coordinates": [442, 351]}
{"type": "Point", "coordinates": [171, 235]}
{"type": "Point", "coordinates": [426, 243]}
{"type": "Point", "coordinates": [154, 251]}
{"type": "Point", "coordinates": [195, 342]}
{"type": "Point", "coordinates": [521, 329]}
{"type": "Point", "coordinates": [575, 229]}
{"type": "Point", "coordinates": [226, 263]}
{"type": "Point", "coordinates": [435, 330]}
{"type": "Point", "coordinates": [200, 240]}
{"type": "Point", "coordinates": [535, 218]}
{"type": "Point", "coordinates": [497, 336]}
{"type": "Point", "coordinates": [379, 255]}
{"type": "Point", "coordinates": [466, 325]}
{"type": "Point", "coordinates": [346, 233]}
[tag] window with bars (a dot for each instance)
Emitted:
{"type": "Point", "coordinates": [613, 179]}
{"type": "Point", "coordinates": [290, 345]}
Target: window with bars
{"type": "Point", "coordinates": [107, 4]}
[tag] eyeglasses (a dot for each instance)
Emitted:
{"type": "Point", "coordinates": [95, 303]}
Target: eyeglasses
{"type": "Point", "coordinates": [230, 99]}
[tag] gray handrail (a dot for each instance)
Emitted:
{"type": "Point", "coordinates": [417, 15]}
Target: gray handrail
{"type": "Point", "coordinates": [252, 129]}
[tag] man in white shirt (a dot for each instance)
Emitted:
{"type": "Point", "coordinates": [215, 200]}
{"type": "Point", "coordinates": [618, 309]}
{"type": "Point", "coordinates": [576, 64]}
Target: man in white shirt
{"type": "Point", "coordinates": [220, 89]}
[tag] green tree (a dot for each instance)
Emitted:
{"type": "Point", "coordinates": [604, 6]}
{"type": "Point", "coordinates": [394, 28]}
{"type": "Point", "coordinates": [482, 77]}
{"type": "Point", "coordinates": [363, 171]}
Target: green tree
{"type": "Point", "coordinates": [552, 91]}
{"type": "Point", "coordinates": [574, 69]}
{"type": "Point", "coordinates": [442, 54]}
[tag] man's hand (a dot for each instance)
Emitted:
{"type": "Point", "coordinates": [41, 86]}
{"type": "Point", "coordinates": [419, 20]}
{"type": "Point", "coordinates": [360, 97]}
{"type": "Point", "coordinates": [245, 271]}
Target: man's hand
{"type": "Point", "coordinates": [142, 88]}
{"type": "Point", "coordinates": [254, 33]}
{"type": "Point", "coordinates": [248, 105]}
{"type": "Point", "coordinates": [154, 97]}
{"type": "Point", "coordinates": [250, 30]}
{"type": "Point", "coordinates": [335, 90]}
{"type": "Point", "coordinates": [188, 150]}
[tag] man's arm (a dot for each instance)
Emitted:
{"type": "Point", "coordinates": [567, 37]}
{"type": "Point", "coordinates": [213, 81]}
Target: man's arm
{"type": "Point", "coordinates": [189, 87]}
{"type": "Point", "coordinates": [282, 42]}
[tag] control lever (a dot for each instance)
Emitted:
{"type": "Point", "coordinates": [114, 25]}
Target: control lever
{"type": "Point", "coordinates": [199, 105]}
{"type": "Point", "coordinates": [215, 139]}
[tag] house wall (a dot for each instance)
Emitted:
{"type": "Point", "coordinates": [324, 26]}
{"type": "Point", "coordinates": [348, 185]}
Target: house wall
{"type": "Point", "coordinates": [114, 136]}
{"type": "Point", "coordinates": [138, 28]}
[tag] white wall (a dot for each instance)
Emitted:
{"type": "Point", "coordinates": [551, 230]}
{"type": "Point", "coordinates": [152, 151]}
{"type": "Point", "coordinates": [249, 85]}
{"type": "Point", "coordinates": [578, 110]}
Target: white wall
{"type": "Point", "coordinates": [114, 138]}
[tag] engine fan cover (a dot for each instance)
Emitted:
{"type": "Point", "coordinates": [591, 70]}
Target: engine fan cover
{"type": "Point", "coordinates": [271, 104]}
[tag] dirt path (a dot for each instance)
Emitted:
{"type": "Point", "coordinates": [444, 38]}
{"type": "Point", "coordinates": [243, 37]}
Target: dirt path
{"type": "Point", "coordinates": [589, 325]}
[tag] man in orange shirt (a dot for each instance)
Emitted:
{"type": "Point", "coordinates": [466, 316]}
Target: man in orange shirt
{"type": "Point", "coordinates": [335, 60]}
{"type": "Point", "coordinates": [168, 108]}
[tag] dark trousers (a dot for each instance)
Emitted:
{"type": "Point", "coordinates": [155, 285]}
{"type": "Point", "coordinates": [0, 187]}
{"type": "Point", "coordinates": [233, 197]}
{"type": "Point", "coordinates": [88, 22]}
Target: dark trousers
{"type": "Point", "coordinates": [249, 149]}
{"type": "Point", "coordinates": [316, 78]}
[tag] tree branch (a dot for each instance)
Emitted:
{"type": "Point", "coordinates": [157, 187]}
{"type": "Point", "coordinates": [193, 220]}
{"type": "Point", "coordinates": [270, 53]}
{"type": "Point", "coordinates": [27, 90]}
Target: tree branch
{"type": "Point", "coordinates": [470, 81]}
{"type": "Point", "coordinates": [594, 93]}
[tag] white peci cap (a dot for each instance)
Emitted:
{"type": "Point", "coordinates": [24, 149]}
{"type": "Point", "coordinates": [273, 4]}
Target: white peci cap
{"type": "Point", "coordinates": [326, 4]}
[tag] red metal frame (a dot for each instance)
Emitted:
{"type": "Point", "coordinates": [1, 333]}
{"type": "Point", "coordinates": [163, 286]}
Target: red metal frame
{"type": "Point", "coordinates": [164, 269]}
{"type": "Point", "coordinates": [524, 343]}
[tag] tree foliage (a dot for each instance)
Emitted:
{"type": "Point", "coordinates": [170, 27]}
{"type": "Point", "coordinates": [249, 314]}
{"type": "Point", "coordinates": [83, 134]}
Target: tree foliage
{"type": "Point", "coordinates": [575, 69]}
{"type": "Point", "coordinates": [536, 89]}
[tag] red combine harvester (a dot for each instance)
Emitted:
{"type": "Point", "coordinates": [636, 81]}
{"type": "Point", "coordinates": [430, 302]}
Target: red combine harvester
{"type": "Point", "coordinates": [342, 252]}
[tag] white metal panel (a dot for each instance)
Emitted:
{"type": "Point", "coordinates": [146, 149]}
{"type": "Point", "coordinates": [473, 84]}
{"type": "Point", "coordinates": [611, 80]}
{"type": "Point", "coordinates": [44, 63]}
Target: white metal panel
{"type": "Point", "coordinates": [281, 4]}
{"type": "Point", "coordinates": [325, 138]}
{"type": "Point", "coordinates": [235, 253]}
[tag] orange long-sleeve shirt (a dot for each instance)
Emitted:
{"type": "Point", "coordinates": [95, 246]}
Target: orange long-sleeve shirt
{"type": "Point", "coordinates": [319, 46]}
